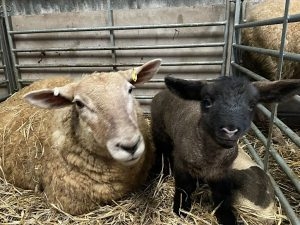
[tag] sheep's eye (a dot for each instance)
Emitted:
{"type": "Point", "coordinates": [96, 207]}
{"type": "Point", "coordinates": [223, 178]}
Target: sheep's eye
{"type": "Point", "coordinates": [207, 103]}
{"type": "Point", "coordinates": [130, 90]}
{"type": "Point", "coordinates": [251, 106]}
{"type": "Point", "coordinates": [79, 104]}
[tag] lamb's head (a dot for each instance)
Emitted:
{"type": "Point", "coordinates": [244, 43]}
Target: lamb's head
{"type": "Point", "coordinates": [104, 107]}
{"type": "Point", "coordinates": [228, 103]}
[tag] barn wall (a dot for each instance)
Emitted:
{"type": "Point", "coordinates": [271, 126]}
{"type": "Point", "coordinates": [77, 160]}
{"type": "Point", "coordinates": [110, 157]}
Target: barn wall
{"type": "Point", "coordinates": [36, 15]}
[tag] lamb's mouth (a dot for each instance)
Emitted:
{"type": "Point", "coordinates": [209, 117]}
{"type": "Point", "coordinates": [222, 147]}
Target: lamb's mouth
{"type": "Point", "coordinates": [226, 143]}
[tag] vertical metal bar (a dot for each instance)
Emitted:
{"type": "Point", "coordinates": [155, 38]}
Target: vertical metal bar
{"type": "Point", "coordinates": [237, 32]}
{"type": "Point", "coordinates": [226, 38]}
{"type": "Point", "coordinates": [8, 70]}
{"type": "Point", "coordinates": [279, 72]}
{"type": "Point", "coordinates": [10, 46]}
{"type": "Point", "coordinates": [110, 20]}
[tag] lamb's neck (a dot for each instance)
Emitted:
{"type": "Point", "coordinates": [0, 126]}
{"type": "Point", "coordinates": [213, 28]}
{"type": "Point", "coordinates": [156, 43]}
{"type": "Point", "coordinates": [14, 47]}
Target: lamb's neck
{"type": "Point", "coordinates": [213, 152]}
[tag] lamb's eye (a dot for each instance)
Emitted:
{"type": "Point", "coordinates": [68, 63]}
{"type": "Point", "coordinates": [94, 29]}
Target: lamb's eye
{"type": "Point", "coordinates": [251, 106]}
{"type": "Point", "coordinates": [79, 104]}
{"type": "Point", "coordinates": [207, 103]}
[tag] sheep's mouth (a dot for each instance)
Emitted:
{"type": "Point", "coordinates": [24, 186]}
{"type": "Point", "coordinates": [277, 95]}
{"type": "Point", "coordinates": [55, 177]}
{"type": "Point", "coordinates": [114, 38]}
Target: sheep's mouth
{"type": "Point", "coordinates": [226, 143]}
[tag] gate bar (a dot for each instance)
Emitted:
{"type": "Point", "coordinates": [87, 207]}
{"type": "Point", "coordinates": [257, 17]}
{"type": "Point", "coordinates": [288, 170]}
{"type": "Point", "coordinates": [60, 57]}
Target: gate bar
{"type": "Point", "coordinates": [284, 202]}
{"type": "Point", "coordinates": [136, 27]}
{"type": "Point", "coordinates": [134, 47]}
{"type": "Point", "coordinates": [280, 161]}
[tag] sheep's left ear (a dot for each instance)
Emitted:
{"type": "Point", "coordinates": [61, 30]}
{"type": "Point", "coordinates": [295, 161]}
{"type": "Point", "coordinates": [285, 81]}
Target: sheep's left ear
{"type": "Point", "coordinates": [189, 90]}
{"type": "Point", "coordinates": [142, 74]}
{"type": "Point", "coordinates": [277, 91]}
{"type": "Point", "coordinates": [51, 98]}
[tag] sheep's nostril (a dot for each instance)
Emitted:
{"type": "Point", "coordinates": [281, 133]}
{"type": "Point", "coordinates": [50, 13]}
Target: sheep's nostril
{"type": "Point", "coordinates": [131, 148]}
{"type": "Point", "coordinates": [228, 132]}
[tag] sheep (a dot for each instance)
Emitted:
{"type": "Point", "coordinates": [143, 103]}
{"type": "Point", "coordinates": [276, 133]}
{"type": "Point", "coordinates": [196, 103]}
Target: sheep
{"type": "Point", "coordinates": [269, 37]}
{"type": "Point", "coordinates": [80, 142]}
{"type": "Point", "coordinates": [241, 190]}
{"type": "Point", "coordinates": [197, 124]}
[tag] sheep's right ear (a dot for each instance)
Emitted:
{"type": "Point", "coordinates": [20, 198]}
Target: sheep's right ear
{"type": "Point", "coordinates": [276, 91]}
{"type": "Point", "coordinates": [190, 90]}
{"type": "Point", "coordinates": [51, 98]}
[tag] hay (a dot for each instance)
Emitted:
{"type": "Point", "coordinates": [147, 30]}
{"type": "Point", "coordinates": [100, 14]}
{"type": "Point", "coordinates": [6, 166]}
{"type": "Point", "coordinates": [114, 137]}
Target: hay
{"type": "Point", "coordinates": [152, 204]}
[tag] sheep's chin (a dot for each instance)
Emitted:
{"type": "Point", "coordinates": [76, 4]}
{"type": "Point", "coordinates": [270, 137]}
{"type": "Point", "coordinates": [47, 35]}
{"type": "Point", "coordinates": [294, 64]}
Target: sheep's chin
{"type": "Point", "coordinates": [226, 143]}
{"type": "Point", "coordinates": [122, 156]}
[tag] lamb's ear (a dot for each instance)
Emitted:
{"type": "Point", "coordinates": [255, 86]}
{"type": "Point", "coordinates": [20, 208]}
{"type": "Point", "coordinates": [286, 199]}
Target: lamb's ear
{"type": "Point", "coordinates": [142, 74]}
{"type": "Point", "coordinates": [52, 98]}
{"type": "Point", "coordinates": [190, 90]}
{"type": "Point", "coordinates": [276, 91]}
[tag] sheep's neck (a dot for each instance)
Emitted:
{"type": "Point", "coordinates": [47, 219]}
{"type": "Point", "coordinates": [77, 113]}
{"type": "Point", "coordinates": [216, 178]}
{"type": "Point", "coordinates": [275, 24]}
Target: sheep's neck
{"type": "Point", "coordinates": [216, 158]}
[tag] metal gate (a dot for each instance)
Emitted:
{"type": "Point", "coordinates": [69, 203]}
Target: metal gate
{"type": "Point", "coordinates": [267, 141]}
{"type": "Point", "coordinates": [185, 54]}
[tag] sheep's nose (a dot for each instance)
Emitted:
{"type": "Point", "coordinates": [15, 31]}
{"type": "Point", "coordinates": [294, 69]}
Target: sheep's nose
{"type": "Point", "coordinates": [229, 133]}
{"type": "Point", "coordinates": [131, 148]}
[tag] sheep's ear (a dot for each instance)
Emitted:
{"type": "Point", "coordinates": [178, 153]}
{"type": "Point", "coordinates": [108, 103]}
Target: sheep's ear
{"type": "Point", "coordinates": [142, 74]}
{"type": "Point", "coordinates": [51, 98]}
{"type": "Point", "coordinates": [276, 91]}
{"type": "Point", "coordinates": [190, 90]}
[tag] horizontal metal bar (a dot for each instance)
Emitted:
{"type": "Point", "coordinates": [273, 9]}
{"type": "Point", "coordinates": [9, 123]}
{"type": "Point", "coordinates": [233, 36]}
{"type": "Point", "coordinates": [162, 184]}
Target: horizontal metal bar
{"type": "Point", "coordinates": [277, 20]}
{"type": "Point", "coordinates": [284, 202]}
{"type": "Point", "coordinates": [3, 82]}
{"type": "Point", "coordinates": [251, 74]}
{"type": "Point", "coordinates": [118, 65]}
{"type": "Point", "coordinates": [144, 97]}
{"type": "Point", "coordinates": [281, 162]}
{"type": "Point", "coordinates": [217, 44]}
{"type": "Point", "coordinates": [107, 28]}
{"type": "Point", "coordinates": [270, 52]}
{"type": "Point", "coordinates": [288, 131]}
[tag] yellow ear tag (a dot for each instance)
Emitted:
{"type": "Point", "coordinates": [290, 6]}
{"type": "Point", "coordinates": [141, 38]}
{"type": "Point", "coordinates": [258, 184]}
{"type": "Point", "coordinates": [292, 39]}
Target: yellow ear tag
{"type": "Point", "coordinates": [134, 75]}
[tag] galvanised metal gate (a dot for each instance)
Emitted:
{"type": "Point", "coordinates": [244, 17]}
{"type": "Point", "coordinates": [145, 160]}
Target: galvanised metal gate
{"type": "Point", "coordinates": [274, 121]}
{"type": "Point", "coordinates": [15, 67]}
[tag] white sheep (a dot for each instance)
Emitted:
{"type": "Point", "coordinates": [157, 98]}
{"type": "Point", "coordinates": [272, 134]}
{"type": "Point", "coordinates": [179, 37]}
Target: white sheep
{"type": "Point", "coordinates": [85, 144]}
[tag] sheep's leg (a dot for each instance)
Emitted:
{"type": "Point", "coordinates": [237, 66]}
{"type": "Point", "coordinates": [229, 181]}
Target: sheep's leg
{"type": "Point", "coordinates": [222, 197]}
{"type": "Point", "coordinates": [185, 185]}
{"type": "Point", "coordinates": [163, 162]}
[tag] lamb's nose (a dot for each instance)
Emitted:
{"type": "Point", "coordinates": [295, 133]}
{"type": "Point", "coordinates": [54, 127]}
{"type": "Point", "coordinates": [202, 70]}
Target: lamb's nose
{"type": "Point", "coordinates": [131, 148]}
{"type": "Point", "coordinates": [228, 132]}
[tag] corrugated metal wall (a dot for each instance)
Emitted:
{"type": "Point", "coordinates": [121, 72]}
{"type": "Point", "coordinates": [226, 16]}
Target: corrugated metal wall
{"type": "Point", "coordinates": [190, 41]}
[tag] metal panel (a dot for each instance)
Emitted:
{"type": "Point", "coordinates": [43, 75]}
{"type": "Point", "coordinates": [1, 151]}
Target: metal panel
{"type": "Point", "coordinates": [192, 45]}
{"type": "Point", "coordinates": [281, 54]}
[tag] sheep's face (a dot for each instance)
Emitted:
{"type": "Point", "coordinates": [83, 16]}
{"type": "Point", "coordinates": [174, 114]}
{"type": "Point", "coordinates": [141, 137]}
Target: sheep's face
{"type": "Point", "coordinates": [104, 109]}
{"type": "Point", "coordinates": [109, 111]}
{"type": "Point", "coordinates": [227, 107]}
{"type": "Point", "coordinates": [227, 104]}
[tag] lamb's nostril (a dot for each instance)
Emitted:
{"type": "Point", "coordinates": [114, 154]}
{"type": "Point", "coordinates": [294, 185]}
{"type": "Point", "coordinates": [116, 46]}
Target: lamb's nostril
{"type": "Point", "coordinates": [131, 148]}
{"type": "Point", "coordinates": [228, 132]}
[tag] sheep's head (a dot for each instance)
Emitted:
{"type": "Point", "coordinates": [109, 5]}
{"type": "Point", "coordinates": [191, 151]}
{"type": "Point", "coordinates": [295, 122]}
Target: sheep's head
{"type": "Point", "coordinates": [228, 103]}
{"type": "Point", "coordinates": [105, 107]}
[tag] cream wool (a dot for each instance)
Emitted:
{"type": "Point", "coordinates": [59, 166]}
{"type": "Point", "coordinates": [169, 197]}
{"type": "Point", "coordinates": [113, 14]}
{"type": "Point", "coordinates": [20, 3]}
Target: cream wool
{"type": "Point", "coordinates": [62, 148]}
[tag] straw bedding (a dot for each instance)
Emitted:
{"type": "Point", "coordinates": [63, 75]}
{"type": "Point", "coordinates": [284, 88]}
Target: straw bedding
{"type": "Point", "coordinates": [152, 204]}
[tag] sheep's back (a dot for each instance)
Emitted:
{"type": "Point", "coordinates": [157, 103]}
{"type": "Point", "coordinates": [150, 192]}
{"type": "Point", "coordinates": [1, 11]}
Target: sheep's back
{"type": "Point", "coordinates": [270, 37]}
{"type": "Point", "coordinates": [23, 133]}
